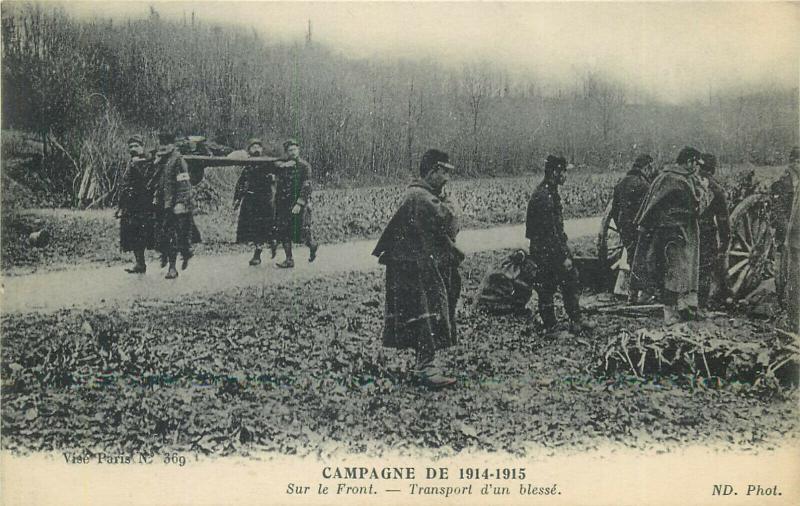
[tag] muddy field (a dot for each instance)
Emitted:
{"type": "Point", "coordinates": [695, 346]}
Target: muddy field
{"type": "Point", "coordinates": [298, 369]}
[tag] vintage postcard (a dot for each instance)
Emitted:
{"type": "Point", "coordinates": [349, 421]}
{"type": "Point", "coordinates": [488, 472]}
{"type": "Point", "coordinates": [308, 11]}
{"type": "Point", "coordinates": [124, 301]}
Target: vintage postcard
{"type": "Point", "coordinates": [400, 253]}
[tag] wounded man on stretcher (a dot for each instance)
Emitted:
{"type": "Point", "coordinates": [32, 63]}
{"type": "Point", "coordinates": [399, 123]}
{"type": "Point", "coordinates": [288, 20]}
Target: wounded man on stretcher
{"type": "Point", "coordinates": [508, 286]}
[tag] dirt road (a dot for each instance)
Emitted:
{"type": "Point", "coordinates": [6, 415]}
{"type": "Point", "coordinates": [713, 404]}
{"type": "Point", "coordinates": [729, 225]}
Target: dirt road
{"type": "Point", "coordinates": [86, 286]}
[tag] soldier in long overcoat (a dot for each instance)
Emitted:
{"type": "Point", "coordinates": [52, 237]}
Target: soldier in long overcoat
{"type": "Point", "coordinates": [628, 196]}
{"type": "Point", "coordinates": [135, 208]}
{"type": "Point", "coordinates": [255, 193]}
{"type": "Point", "coordinates": [293, 204]}
{"type": "Point", "coordinates": [173, 202]}
{"type": "Point", "coordinates": [667, 259]}
{"type": "Point", "coordinates": [715, 235]}
{"type": "Point", "coordinates": [544, 227]}
{"type": "Point", "coordinates": [422, 280]}
{"type": "Point", "coordinates": [629, 193]}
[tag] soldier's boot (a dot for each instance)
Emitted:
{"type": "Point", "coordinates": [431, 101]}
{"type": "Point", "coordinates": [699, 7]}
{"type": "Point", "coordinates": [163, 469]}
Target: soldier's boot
{"type": "Point", "coordinates": [289, 262]}
{"type": "Point", "coordinates": [547, 311]}
{"type": "Point", "coordinates": [164, 260]}
{"type": "Point", "coordinates": [140, 267]}
{"type": "Point", "coordinates": [185, 257]}
{"type": "Point", "coordinates": [273, 248]}
{"type": "Point", "coordinates": [691, 313]}
{"type": "Point", "coordinates": [432, 378]}
{"type": "Point", "coordinates": [633, 297]}
{"type": "Point", "coordinates": [172, 273]}
{"type": "Point", "coordinates": [571, 293]}
{"type": "Point", "coordinates": [688, 307]}
{"type": "Point", "coordinates": [427, 374]}
{"type": "Point", "coordinates": [313, 247]}
{"type": "Point", "coordinates": [256, 260]}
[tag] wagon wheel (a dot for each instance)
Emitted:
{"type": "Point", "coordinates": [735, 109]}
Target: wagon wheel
{"type": "Point", "coordinates": [751, 254]}
{"type": "Point", "coordinates": [609, 243]}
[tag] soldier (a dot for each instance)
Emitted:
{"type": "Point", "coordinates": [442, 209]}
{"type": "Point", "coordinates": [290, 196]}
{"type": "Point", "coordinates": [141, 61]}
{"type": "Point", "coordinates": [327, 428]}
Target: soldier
{"type": "Point", "coordinates": [549, 250]}
{"type": "Point", "coordinates": [293, 204]}
{"type": "Point", "coordinates": [255, 192]}
{"type": "Point", "coordinates": [173, 202]}
{"type": "Point", "coordinates": [667, 256]}
{"type": "Point", "coordinates": [790, 256]}
{"type": "Point", "coordinates": [715, 235]}
{"type": "Point", "coordinates": [628, 196]}
{"type": "Point", "coordinates": [422, 279]}
{"type": "Point", "coordinates": [136, 211]}
{"type": "Point", "coordinates": [782, 196]}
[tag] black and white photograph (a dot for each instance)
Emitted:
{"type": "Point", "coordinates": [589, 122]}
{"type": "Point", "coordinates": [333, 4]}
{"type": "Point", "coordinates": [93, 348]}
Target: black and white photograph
{"type": "Point", "coordinates": [400, 253]}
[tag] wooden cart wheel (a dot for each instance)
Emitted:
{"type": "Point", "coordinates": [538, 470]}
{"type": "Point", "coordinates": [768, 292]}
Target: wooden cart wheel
{"type": "Point", "coordinates": [609, 243]}
{"type": "Point", "coordinates": [752, 252]}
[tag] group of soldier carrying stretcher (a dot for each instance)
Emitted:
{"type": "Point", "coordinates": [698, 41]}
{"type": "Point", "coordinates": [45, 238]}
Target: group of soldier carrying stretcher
{"type": "Point", "coordinates": [156, 205]}
{"type": "Point", "coordinates": [673, 225]}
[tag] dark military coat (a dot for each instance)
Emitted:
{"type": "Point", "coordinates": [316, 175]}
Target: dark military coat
{"type": "Point", "coordinates": [544, 226]}
{"type": "Point", "coordinates": [293, 187]}
{"type": "Point", "coordinates": [629, 193]}
{"type": "Point", "coordinates": [136, 205]}
{"type": "Point", "coordinates": [256, 190]}
{"type": "Point", "coordinates": [422, 280]}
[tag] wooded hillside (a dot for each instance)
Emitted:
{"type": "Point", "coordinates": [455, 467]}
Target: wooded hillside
{"type": "Point", "coordinates": [83, 85]}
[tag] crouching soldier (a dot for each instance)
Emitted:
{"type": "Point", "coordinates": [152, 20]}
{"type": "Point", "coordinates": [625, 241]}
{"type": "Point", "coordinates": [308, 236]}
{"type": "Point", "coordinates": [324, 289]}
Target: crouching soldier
{"type": "Point", "coordinates": [173, 203]}
{"type": "Point", "coordinates": [255, 192]}
{"type": "Point", "coordinates": [422, 279]}
{"type": "Point", "coordinates": [136, 211]}
{"type": "Point", "coordinates": [507, 287]}
{"type": "Point", "coordinates": [544, 227]}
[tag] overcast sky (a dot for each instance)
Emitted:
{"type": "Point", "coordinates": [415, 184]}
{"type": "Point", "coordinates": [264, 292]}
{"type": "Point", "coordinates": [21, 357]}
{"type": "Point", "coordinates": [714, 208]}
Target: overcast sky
{"type": "Point", "coordinates": [675, 51]}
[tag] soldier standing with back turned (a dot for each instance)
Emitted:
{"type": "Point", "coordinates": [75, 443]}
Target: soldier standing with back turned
{"type": "Point", "coordinates": [628, 196]}
{"type": "Point", "coordinates": [715, 235]}
{"type": "Point", "coordinates": [667, 257]}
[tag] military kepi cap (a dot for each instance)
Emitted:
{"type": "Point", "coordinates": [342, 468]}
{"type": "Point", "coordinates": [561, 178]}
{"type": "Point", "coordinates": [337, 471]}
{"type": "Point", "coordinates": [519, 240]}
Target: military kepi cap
{"type": "Point", "coordinates": [642, 161]}
{"type": "Point", "coordinates": [254, 140]}
{"type": "Point", "coordinates": [166, 137]}
{"type": "Point", "coordinates": [555, 162]}
{"type": "Point", "coordinates": [290, 142]}
{"type": "Point", "coordinates": [689, 155]}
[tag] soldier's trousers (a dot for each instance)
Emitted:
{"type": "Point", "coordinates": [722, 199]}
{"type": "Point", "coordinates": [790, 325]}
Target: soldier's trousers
{"type": "Point", "coordinates": [712, 270]}
{"type": "Point", "coordinates": [552, 278]}
{"type": "Point", "coordinates": [174, 233]}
